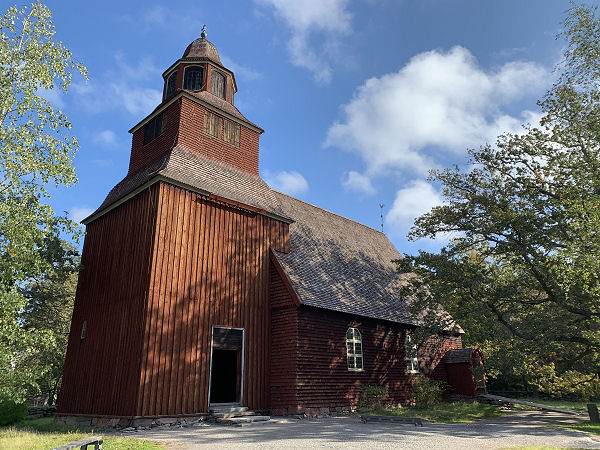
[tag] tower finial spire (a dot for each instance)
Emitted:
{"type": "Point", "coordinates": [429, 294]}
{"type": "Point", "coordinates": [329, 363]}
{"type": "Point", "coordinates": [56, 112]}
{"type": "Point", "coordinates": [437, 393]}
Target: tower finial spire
{"type": "Point", "coordinates": [203, 33]}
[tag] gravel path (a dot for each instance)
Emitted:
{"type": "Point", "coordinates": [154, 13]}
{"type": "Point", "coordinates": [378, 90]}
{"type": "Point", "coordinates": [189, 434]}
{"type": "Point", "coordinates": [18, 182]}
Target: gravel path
{"type": "Point", "coordinates": [520, 428]}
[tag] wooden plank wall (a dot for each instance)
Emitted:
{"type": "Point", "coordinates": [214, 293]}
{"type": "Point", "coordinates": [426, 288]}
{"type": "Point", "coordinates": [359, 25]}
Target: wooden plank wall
{"type": "Point", "coordinates": [284, 346]}
{"type": "Point", "coordinates": [323, 376]}
{"type": "Point", "coordinates": [101, 371]}
{"type": "Point", "coordinates": [210, 266]}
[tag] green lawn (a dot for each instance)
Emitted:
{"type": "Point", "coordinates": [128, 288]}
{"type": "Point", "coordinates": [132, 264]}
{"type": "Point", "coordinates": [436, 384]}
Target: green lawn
{"type": "Point", "coordinates": [43, 434]}
{"type": "Point", "coordinates": [442, 412]}
{"type": "Point", "coordinates": [584, 426]}
{"type": "Point", "coordinates": [577, 406]}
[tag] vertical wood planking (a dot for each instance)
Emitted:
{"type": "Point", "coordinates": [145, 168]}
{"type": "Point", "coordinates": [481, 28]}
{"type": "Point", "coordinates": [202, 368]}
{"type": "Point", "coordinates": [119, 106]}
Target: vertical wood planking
{"type": "Point", "coordinates": [174, 263]}
{"type": "Point", "coordinates": [102, 372]}
{"type": "Point", "coordinates": [218, 258]}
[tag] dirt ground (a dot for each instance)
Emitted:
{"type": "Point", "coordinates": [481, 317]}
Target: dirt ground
{"type": "Point", "coordinates": [519, 428]}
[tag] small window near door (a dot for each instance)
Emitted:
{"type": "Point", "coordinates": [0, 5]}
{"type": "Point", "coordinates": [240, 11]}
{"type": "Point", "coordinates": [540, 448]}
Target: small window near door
{"type": "Point", "coordinates": [354, 349]}
{"type": "Point", "coordinates": [412, 362]}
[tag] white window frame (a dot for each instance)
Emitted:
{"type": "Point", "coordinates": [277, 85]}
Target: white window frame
{"type": "Point", "coordinates": [412, 362]}
{"type": "Point", "coordinates": [354, 354]}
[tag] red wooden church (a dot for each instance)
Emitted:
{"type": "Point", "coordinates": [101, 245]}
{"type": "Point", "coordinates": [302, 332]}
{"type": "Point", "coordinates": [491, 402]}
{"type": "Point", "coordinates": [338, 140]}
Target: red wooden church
{"type": "Point", "coordinates": [202, 285]}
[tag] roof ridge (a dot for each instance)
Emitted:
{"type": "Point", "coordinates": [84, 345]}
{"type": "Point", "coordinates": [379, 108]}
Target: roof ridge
{"type": "Point", "coordinates": [330, 212]}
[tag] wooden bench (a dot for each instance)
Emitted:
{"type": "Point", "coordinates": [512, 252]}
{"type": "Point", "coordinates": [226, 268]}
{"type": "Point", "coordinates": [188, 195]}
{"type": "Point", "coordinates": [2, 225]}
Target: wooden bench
{"type": "Point", "coordinates": [96, 441]}
{"type": "Point", "coordinates": [397, 419]}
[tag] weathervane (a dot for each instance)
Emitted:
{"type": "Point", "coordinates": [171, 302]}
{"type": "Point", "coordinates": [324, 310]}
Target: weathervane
{"type": "Point", "coordinates": [203, 33]}
{"type": "Point", "coordinates": [381, 205]}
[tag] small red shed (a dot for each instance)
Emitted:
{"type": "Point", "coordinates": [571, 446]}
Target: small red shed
{"type": "Point", "coordinates": [465, 371]}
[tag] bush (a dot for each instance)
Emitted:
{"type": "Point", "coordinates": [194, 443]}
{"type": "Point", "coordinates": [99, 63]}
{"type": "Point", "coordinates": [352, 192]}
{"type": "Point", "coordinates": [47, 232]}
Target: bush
{"type": "Point", "coordinates": [372, 396]}
{"type": "Point", "coordinates": [11, 412]}
{"type": "Point", "coordinates": [426, 390]}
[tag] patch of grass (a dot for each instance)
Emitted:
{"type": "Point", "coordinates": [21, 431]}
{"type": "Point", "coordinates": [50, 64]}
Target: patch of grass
{"type": "Point", "coordinates": [577, 406]}
{"type": "Point", "coordinates": [43, 434]}
{"type": "Point", "coordinates": [584, 426]}
{"type": "Point", "coordinates": [534, 447]}
{"type": "Point", "coordinates": [442, 412]}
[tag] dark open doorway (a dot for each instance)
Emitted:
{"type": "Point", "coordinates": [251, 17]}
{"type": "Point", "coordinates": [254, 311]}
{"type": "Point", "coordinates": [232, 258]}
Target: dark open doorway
{"type": "Point", "coordinates": [224, 383]}
{"type": "Point", "coordinates": [226, 365]}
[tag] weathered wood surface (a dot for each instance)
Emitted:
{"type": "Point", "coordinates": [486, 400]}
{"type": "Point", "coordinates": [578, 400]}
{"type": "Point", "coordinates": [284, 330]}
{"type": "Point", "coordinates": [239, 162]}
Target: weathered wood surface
{"type": "Point", "coordinates": [499, 398]}
{"type": "Point", "coordinates": [396, 419]}
{"type": "Point", "coordinates": [96, 441]}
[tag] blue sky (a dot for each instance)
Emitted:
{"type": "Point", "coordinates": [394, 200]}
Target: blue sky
{"type": "Point", "coordinates": [358, 99]}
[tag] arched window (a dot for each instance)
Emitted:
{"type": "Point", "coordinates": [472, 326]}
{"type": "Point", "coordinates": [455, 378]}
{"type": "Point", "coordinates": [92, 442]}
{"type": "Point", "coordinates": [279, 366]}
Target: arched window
{"type": "Point", "coordinates": [192, 78]}
{"type": "Point", "coordinates": [412, 362]}
{"type": "Point", "coordinates": [171, 84]}
{"type": "Point", "coordinates": [217, 84]}
{"type": "Point", "coordinates": [354, 349]}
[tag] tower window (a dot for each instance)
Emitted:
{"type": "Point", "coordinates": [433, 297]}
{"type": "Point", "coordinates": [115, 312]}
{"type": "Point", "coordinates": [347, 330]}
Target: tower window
{"type": "Point", "coordinates": [354, 349]}
{"type": "Point", "coordinates": [83, 329]}
{"type": "Point", "coordinates": [171, 84]}
{"type": "Point", "coordinates": [217, 84]}
{"type": "Point", "coordinates": [155, 127]}
{"type": "Point", "coordinates": [213, 124]}
{"type": "Point", "coordinates": [232, 133]}
{"type": "Point", "coordinates": [192, 78]}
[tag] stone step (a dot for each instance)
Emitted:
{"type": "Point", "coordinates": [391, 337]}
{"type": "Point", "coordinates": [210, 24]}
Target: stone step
{"type": "Point", "coordinates": [228, 409]}
{"type": "Point", "coordinates": [226, 415]}
{"type": "Point", "coordinates": [242, 420]}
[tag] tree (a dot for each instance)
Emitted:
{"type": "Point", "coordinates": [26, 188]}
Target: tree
{"type": "Point", "coordinates": [50, 299]}
{"type": "Point", "coordinates": [36, 151]}
{"type": "Point", "coordinates": [522, 275]}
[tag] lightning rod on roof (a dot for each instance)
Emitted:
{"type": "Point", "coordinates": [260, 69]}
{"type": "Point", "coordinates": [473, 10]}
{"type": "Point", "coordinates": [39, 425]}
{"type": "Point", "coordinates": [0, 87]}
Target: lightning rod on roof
{"type": "Point", "coordinates": [381, 205]}
{"type": "Point", "coordinates": [203, 33]}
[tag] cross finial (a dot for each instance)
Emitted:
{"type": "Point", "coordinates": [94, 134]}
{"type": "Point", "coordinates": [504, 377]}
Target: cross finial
{"type": "Point", "coordinates": [203, 34]}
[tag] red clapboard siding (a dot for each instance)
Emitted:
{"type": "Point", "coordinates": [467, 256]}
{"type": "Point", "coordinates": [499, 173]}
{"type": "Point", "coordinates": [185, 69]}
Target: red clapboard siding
{"type": "Point", "coordinates": [101, 371]}
{"type": "Point", "coordinates": [284, 337]}
{"type": "Point", "coordinates": [323, 376]}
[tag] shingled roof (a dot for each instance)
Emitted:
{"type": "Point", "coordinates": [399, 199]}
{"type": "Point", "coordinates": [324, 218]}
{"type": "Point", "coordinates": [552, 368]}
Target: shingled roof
{"type": "Point", "coordinates": [334, 263]}
{"type": "Point", "coordinates": [204, 174]}
{"type": "Point", "coordinates": [341, 265]}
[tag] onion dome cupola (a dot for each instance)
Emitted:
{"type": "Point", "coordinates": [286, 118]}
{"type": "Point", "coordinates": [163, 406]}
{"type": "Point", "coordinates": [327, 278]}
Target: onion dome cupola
{"type": "Point", "coordinates": [200, 69]}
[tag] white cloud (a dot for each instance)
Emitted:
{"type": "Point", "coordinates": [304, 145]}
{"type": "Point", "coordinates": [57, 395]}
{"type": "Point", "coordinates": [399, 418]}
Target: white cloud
{"type": "Point", "coordinates": [240, 71]}
{"type": "Point", "coordinates": [121, 88]}
{"type": "Point", "coordinates": [417, 198]}
{"type": "Point", "coordinates": [137, 101]}
{"type": "Point", "coordinates": [78, 213]}
{"type": "Point", "coordinates": [53, 96]}
{"type": "Point", "coordinates": [356, 182]}
{"type": "Point", "coordinates": [291, 183]}
{"type": "Point", "coordinates": [106, 137]}
{"type": "Point", "coordinates": [102, 162]}
{"type": "Point", "coordinates": [151, 18]}
{"type": "Point", "coordinates": [325, 20]}
{"type": "Point", "coordinates": [440, 102]}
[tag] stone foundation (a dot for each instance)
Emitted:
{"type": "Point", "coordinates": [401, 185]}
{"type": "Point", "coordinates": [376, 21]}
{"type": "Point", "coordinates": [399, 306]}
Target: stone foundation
{"type": "Point", "coordinates": [318, 412]}
{"type": "Point", "coordinates": [83, 421]}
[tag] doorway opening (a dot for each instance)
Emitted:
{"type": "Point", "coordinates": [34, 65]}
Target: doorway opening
{"type": "Point", "coordinates": [226, 366]}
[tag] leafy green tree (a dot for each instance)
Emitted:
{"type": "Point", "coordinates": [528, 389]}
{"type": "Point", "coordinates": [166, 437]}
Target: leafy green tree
{"type": "Point", "coordinates": [36, 152]}
{"type": "Point", "coordinates": [522, 274]}
{"type": "Point", "coordinates": [50, 299]}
